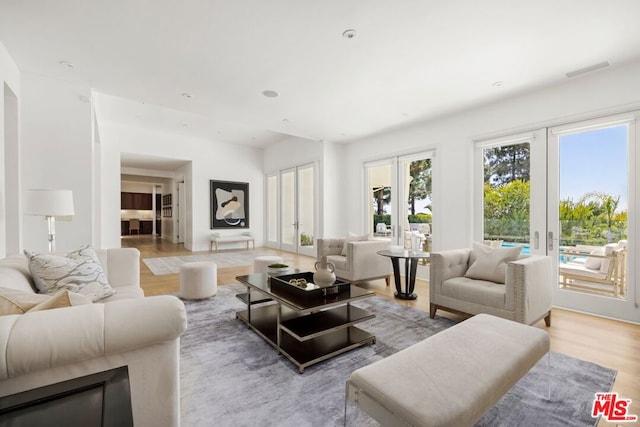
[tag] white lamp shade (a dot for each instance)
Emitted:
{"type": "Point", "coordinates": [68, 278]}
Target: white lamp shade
{"type": "Point", "coordinates": [48, 202]}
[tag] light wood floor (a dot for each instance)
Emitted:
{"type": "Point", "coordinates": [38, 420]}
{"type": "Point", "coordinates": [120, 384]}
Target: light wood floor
{"type": "Point", "coordinates": [609, 343]}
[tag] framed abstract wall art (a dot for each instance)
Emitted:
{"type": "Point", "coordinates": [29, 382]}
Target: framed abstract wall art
{"type": "Point", "coordinates": [229, 204]}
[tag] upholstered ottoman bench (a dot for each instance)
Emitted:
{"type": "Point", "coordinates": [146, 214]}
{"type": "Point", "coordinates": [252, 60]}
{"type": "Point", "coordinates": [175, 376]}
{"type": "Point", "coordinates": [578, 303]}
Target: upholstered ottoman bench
{"type": "Point", "coordinates": [451, 378]}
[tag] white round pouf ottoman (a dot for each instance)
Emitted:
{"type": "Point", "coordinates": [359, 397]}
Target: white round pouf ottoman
{"type": "Point", "coordinates": [260, 263]}
{"type": "Point", "coordinates": [198, 280]}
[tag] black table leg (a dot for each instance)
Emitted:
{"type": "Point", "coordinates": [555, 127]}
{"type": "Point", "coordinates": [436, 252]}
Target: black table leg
{"type": "Point", "coordinates": [396, 274]}
{"type": "Point", "coordinates": [410, 267]}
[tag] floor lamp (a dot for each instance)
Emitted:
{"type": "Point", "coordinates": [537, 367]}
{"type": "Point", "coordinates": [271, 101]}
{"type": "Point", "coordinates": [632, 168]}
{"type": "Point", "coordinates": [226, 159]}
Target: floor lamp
{"type": "Point", "coordinates": [50, 204]}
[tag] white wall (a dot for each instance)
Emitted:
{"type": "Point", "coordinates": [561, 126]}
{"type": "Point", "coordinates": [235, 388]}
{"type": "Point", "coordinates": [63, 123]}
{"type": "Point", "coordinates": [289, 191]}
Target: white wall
{"type": "Point", "coordinates": [56, 144]}
{"type": "Point", "coordinates": [209, 160]}
{"type": "Point", "coordinates": [10, 210]}
{"type": "Point", "coordinates": [333, 196]}
{"type": "Point", "coordinates": [590, 95]}
{"type": "Point", "coordinates": [295, 151]}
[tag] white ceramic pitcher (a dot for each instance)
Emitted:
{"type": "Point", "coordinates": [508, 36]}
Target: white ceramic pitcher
{"type": "Point", "coordinates": [325, 273]}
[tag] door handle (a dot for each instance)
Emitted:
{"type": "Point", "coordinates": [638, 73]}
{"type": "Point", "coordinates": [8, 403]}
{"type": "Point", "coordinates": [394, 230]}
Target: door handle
{"type": "Point", "coordinates": [550, 242]}
{"type": "Point", "coordinates": [536, 240]}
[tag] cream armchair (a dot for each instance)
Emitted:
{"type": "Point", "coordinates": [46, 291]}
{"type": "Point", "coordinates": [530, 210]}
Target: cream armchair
{"type": "Point", "coordinates": [361, 262]}
{"type": "Point", "coordinates": [524, 297]}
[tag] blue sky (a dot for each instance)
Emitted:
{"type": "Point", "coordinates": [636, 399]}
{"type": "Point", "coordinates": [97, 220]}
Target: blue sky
{"type": "Point", "coordinates": [595, 161]}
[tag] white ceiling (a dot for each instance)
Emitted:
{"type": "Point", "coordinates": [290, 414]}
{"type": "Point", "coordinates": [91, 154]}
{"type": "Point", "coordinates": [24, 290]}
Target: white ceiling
{"type": "Point", "coordinates": [410, 59]}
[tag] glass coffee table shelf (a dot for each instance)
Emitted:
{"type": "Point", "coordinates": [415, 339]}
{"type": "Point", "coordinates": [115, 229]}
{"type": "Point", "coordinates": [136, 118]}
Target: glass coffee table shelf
{"type": "Point", "coordinates": [306, 331]}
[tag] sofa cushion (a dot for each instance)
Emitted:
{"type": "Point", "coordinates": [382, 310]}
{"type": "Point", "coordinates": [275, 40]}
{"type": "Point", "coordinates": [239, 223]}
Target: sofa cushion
{"type": "Point", "coordinates": [491, 263]}
{"type": "Point", "coordinates": [338, 261]}
{"type": "Point", "coordinates": [79, 271]}
{"type": "Point", "coordinates": [62, 299]}
{"type": "Point", "coordinates": [14, 301]}
{"type": "Point", "coordinates": [353, 238]}
{"type": "Point", "coordinates": [481, 292]}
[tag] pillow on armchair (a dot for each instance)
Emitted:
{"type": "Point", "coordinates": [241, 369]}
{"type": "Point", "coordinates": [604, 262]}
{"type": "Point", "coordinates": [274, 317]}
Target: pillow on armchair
{"type": "Point", "coordinates": [491, 263]}
{"type": "Point", "coordinates": [352, 237]}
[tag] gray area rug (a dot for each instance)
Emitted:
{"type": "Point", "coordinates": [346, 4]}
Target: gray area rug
{"type": "Point", "coordinates": [231, 377]}
{"type": "Point", "coordinates": [171, 264]}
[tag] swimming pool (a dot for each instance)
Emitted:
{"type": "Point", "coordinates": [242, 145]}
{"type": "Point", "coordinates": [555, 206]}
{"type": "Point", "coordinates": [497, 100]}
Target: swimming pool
{"type": "Point", "coordinates": [526, 248]}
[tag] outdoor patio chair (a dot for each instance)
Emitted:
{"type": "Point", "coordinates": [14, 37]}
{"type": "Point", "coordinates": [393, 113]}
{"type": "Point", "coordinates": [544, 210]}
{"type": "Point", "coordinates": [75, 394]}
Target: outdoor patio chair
{"type": "Point", "coordinates": [602, 270]}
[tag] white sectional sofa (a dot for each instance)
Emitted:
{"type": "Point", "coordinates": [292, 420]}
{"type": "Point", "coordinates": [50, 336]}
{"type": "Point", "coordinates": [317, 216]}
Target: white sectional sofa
{"type": "Point", "coordinates": [46, 347]}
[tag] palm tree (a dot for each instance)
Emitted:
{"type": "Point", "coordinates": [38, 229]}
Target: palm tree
{"type": "Point", "coordinates": [608, 203]}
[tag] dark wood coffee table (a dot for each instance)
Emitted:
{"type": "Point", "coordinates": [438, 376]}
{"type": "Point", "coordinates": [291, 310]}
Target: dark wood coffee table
{"type": "Point", "coordinates": [305, 330]}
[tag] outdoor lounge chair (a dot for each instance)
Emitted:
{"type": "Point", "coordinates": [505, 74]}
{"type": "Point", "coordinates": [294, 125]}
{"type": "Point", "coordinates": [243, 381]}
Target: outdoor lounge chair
{"type": "Point", "coordinates": [603, 270]}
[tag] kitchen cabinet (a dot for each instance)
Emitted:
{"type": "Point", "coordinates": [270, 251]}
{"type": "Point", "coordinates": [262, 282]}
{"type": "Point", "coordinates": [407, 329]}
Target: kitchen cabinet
{"type": "Point", "coordinates": [146, 227]}
{"type": "Point", "coordinates": [136, 201]}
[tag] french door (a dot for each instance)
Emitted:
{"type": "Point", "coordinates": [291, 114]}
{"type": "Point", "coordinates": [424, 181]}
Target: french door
{"type": "Point", "coordinates": [291, 201]}
{"type": "Point", "coordinates": [568, 192]}
{"type": "Point", "coordinates": [592, 209]}
{"type": "Point", "coordinates": [511, 191]}
{"type": "Point", "coordinates": [399, 196]}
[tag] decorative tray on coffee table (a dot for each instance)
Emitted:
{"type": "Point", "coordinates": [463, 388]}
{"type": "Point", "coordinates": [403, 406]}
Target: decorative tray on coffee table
{"type": "Point", "coordinates": [301, 284]}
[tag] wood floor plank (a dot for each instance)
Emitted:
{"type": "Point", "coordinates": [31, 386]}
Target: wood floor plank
{"type": "Point", "coordinates": [606, 342]}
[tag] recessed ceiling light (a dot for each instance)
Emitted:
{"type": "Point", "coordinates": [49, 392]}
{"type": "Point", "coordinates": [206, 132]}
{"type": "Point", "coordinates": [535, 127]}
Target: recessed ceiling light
{"type": "Point", "coordinates": [84, 99]}
{"type": "Point", "coordinates": [270, 93]}
{"type": "Point", "coordinates": [67, 64]}
{"type": "Point", "coordinates": [186, 95]}
{"type": "Point", "coordinates": [184, 125]}
{"type": "Point", "coordinates": [285, 120]}
{"type": "Point", "coordinates": [497, 84]}
{"type": "Point", "coordinates": [405, 114]}
{"type": "Point", "coordinates": [349, 34]}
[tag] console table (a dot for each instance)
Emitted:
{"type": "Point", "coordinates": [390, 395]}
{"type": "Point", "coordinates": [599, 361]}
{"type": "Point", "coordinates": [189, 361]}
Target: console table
{"type": "Point", "coordinates": [305, 330]}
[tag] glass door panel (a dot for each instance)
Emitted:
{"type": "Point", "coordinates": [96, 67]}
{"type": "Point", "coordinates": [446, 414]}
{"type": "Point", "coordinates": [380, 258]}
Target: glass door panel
{"type": "Point", "coordinates": [306, 207]}
{"type": "Point", "coordinates": [589, 213]}
{"type": "Point", "coordinates": [272, 200]}
{"type": "Point", "coordinates": [416, 203]}
{"type": "Point", "coordinates": [506, 195]}
{"type": "Point", "coordinates": [288, 210]}
{"type": "Point", "coordinates": [512, 192]}
{"type": "Point", "coordinates": [381, 220]}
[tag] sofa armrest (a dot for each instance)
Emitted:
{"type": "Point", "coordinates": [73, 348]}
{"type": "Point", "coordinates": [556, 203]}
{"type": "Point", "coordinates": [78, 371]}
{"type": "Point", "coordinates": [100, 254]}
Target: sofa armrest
{"type": "Point", "coordinates": [328, 247]}
{"type": "Point", "coordinates": [444, 265]}
{"type": "Point", "coordinates": [122, 266]}
{"type": "Point", "coordinates": [47, 339]}
{"type": "Point", "coordinates": [364, 261]}
{"type": "Point", "coordinates": [528, 288]}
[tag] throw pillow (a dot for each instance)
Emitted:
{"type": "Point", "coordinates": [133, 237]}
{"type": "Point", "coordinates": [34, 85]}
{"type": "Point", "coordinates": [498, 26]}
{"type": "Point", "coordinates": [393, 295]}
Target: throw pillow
{"type": "Point", "coordinates": [79, 271]}
{"type": "Point", "coordinates": [14, 301]}
{"type": "Point", "coordinates": [62, 299]}
{"type": "Point", "coordinates": [352, 237]}
{"type": "Point", "coordinates": [491, 263]}
{"type": "Point", "coordinates": [608, 252]}
{"type": "Point", "coordinates": [594, 263]}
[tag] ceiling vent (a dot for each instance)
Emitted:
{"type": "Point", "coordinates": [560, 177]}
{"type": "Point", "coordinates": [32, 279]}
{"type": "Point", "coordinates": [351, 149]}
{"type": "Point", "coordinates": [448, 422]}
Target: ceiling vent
{"type": "Point", "coordinates": [589, 69]}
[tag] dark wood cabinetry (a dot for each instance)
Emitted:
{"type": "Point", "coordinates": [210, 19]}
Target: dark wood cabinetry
{"type": "Point", "coordinates": [146, 227]}
{"type": "Point", "coordinates": [137, 201]}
